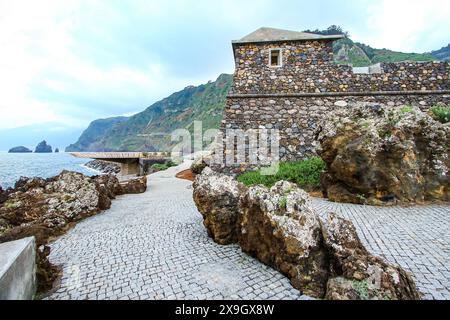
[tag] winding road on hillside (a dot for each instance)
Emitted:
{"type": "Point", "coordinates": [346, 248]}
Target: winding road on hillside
{"type": "Point", "coordinates": [154, 246]}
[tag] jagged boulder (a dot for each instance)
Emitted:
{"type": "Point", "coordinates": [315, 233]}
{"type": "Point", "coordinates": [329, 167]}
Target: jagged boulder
{"type": "Point", "coordinates": [38, 206]}
{"type": "Point", "coordinates": [217, 199]}
{"type": "Point", "coordinates": [134, 185]}
{"type": "Point", "coordinates": [202, 160]}
{"type": "Point", "coordinates": [280, 228]}
{"type": "Point", "coordinates": [380, 155]}
{"type": "Point", "coordinates": [355, 274]}
{"type": "Point", "coordinates": [198, 165]}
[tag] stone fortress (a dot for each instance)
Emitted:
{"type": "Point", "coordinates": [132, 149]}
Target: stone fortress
{"type": "Point", "coordinates": [288, 80]}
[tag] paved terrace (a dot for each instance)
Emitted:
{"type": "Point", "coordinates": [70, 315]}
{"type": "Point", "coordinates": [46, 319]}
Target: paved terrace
{"type": "Point", "coordinates": [154, 246]}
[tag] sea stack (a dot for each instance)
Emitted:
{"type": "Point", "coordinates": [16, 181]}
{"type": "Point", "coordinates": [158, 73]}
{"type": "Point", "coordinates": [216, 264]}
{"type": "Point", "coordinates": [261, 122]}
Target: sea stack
{"type": "Point", "coordinates": [43, 147]}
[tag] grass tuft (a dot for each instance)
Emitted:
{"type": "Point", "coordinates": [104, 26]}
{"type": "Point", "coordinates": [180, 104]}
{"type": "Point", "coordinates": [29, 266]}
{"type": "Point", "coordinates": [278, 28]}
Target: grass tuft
{"type": "Point", "coordinates": [305, 173]}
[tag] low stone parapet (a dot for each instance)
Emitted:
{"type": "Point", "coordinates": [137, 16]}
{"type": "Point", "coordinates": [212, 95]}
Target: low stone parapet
{"type": "Point", "coordinates": [18, 269]}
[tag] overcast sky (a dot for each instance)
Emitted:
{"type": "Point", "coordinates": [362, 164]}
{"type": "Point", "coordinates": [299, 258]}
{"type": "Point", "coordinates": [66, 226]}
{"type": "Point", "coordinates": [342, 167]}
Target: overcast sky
{"type": "Point", "coordinates": [69, 62]}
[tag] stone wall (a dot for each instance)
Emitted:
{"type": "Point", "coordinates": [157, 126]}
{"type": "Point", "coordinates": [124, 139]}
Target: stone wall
{"type": "Point", "coordinates": [294, 97]}
{"type": "Point", "coordinates": [309, 67]}
{"type": "Point", "coordinates": [297, 117]}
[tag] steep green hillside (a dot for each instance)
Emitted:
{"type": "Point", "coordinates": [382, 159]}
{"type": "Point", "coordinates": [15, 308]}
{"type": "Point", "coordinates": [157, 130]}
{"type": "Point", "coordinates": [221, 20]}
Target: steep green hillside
{"type": "Point", "coordinates": [150, 130]}
{"type": "Point", "coordinates": [90, 138]}
{"type": "Point", "coordinates": [442, 54]}
{"type": "Point", "coordinates": [360, 55]}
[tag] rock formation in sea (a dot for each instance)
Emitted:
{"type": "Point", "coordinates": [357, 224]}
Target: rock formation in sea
{"type": "Point", "coordinates": [378, 154]}
{"type": "Point", "coordinates": [46, 208]}
{"type": "Point", "coordinates": [320, 253]}
{"type": "Point", "coordinates": [19, 149]}
{"type": "Point", "coordinates": [43, 147]}
{"type": "Point", "coordinates": [57, 150]}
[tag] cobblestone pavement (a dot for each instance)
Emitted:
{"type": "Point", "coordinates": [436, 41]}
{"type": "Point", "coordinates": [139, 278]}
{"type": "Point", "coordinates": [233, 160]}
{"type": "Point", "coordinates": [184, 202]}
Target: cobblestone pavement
{"type": "Point", "coordinates": [416, 238]}
{"type": "Point", "coordinates": [154, 246]}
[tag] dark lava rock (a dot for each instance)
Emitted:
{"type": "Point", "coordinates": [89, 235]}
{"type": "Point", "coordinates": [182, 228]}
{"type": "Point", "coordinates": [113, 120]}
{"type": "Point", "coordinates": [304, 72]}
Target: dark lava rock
{"type": "Point", "coordinates": [382, 155]}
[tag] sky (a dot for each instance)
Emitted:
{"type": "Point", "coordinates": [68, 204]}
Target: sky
{"type": "Point", "coordinates": [66, 63]}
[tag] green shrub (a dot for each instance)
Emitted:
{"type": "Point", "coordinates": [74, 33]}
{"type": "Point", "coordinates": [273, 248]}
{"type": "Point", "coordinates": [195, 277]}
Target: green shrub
{"type": "Point", "coordinates": [159, 167]}
{"type": "Point", "coordinates": [407, 109]}
{"type": "Point", "coordinates": [441, 113]}
{"type": "Point", "coordinates": [170, 163]}
{"type": "Point", "coordinates": [304, 173]}
{"type": "Point", "coordinates": [163, 166]}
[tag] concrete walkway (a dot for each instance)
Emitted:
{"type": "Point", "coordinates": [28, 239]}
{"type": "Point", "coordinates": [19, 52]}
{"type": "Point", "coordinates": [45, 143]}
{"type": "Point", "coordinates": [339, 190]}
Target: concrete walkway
{"type": "Point", "coordinates": [154, 246]}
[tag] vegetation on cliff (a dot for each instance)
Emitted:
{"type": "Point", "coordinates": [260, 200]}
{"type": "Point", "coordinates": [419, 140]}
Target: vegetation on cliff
{"type": "Point", "coordinates": [150, 130]}
{"type": "Point", "coordinates": [442, 54]}
{"type": "Point", "coordinates": [360, 55]}
{"type": "Point", "coordinates": [91, 138]}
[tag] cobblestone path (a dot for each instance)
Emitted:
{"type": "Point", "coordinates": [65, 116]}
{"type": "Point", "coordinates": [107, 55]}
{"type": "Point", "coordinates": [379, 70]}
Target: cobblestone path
{"type": "Point", "coordinates": [416, 238]}
{"type": "Point", "coordinates": [154, 246]}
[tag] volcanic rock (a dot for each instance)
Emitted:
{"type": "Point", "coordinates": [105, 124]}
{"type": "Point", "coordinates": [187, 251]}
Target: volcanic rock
{"type": "Point", "coordinates": [280, 228]}
{"type": "Point", "coordinates": [217, 198]}
{"type": "Point", "coordinates": [382, 155]}
{"type": "Point", "coordinates": [134, 185]}
{"type": "Point", "coordinates": [358, 275]}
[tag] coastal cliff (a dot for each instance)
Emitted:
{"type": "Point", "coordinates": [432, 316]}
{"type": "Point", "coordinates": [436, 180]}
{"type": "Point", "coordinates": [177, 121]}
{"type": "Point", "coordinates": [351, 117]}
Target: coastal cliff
{"type": "Point", "coordinates": [150, 130]}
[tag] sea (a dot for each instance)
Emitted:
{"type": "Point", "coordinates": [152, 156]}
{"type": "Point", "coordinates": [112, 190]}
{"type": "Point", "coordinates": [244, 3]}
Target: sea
{"type": "Point", "coordinates": [45, 165]}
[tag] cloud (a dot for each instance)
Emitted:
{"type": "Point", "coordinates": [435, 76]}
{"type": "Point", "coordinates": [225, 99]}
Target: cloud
{"type": "Point", "coordinates": [408, 25]}
{"type": "Point", "coordinates": [70, 62]}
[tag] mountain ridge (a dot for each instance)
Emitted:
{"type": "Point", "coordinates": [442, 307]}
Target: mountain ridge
{"type": "Point", "coordinates": [150, 129]}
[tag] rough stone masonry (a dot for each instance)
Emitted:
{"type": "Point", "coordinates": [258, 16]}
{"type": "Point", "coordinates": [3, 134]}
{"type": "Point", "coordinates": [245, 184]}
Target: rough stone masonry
{"type": "Point", "coordinates": [305, 84]}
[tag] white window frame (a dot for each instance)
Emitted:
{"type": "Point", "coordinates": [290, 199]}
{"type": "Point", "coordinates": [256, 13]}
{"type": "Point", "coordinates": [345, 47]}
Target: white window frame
{"type": "Point", "coordinates": [280, 58]}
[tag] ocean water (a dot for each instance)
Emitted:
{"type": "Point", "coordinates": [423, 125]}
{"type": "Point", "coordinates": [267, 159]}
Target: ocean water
{"type": "Point", "coordinates": [45, 165]}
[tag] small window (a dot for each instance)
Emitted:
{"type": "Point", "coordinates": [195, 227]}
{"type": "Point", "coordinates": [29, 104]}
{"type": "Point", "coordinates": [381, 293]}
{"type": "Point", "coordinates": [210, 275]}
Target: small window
{"type": "Point", "coordinates": [275, 58]}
